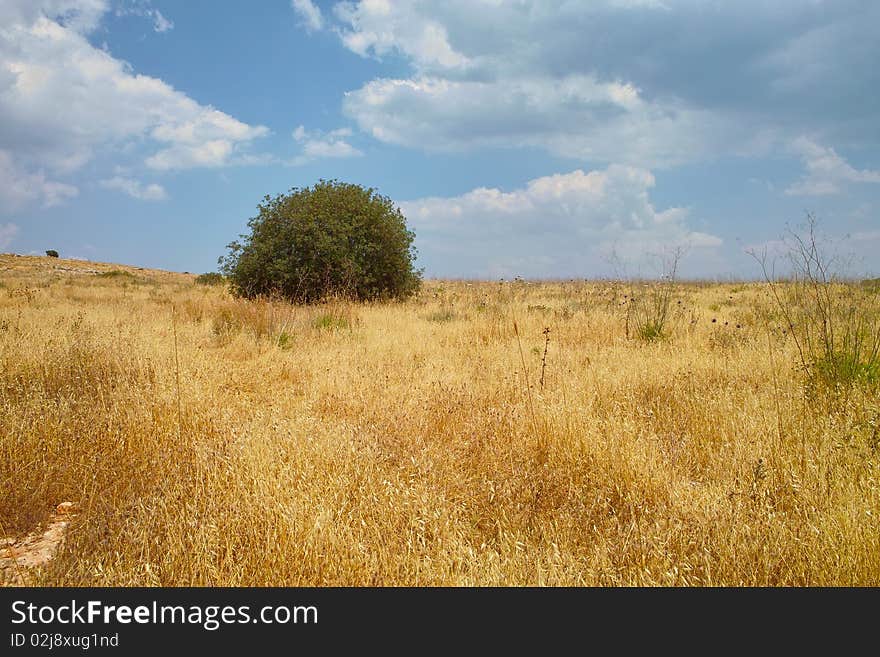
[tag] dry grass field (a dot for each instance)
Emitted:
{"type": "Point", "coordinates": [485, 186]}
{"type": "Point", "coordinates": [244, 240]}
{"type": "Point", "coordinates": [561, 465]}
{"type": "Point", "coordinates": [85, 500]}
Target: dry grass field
{"type": "Point", "coordinates": [448, 440]}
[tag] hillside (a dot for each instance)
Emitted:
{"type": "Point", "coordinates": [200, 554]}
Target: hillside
{"type": "Point", "coordinates": [12, 265]}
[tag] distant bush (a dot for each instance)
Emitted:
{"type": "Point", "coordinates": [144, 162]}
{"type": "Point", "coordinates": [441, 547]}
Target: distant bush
{"type": "Point", "coordinates": [116, 273]}
{"type": "Point", "coordinates": [52, 253]}
{"type": "Point", "coordinates": [331, 240]}
{"type": "Point", "coordinates": [649, 312]}
{"type": "Point", "coordinates": [330, 321]}
{"type": "Point", "coordinates": [211, 278]}
{"type": "Point", "coordinates": [441, 316]}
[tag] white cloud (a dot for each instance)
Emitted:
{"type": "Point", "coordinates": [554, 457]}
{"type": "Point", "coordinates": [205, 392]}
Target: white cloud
{"type": "Point", "coordinates": [78, 15]}
{"type": "Point", "coordinates": [638, 81]}
{"type": "Point", "coordinates": [576, 116]}
{"type": "Point", "coordinates": [318, 145]}
{"type": "Point", "coordinates": [378, 27]}
{"type": "Point", "coordinates": [135, 188]}
{"type": "Point", "coordinates": [562, 224]}
{"type": "Point", "coordinates": [309, 15]}
{"type": "Point", "coordinates": [827, 172]}
{"type": "Point", "coordinates": [143, 9]}
{"type": "Point", "coordinates": [187, 155]}
{"type": "Point", "coordinates": [160, 23]}
{"type": "Point", "coordinates": [7, 234]}
{"type": "Point", "coordinates": [47, 63]}
{"type": "Point", "coordinates": [19, 187]}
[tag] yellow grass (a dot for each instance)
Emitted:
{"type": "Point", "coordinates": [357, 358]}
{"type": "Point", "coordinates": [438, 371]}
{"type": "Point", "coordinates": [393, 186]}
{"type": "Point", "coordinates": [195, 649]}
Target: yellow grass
{"type": "Point", "coordinates": [404, 444]}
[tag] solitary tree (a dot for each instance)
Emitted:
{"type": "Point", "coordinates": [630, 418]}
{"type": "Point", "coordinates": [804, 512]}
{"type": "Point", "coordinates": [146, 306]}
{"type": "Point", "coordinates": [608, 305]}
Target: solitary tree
{"type": "Point", "coordinates": [330, 239]}
{"type": "Point", "coordinates": [52, 253]}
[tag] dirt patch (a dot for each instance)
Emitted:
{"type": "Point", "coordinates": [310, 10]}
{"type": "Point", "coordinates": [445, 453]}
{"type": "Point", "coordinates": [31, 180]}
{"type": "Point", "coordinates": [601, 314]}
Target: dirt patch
{"type": "Point", "coordinates": [20, 559]}
{"type": "Point", "coordinates": [77, 270]}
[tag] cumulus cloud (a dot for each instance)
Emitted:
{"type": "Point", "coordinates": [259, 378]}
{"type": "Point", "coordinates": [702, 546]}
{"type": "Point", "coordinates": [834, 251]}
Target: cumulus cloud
{"type": "Point", "coordinates": [826, 171]}
{"type": "Point", "coordinates": [47, 63]}
{"type": "Point", "coordinates": [558, 225]}
{"type": "Point", "coordinates": [204, 138]}
{"type": "Point", "coordinates": [640, 81]}
{"type": "Point", "coordinates": [19, 187]}
{"type": "Point", "coordinates": [7, 234]}
{"type": "Point", "coordinates": [135, 188]}
{"type": "Point", "coordinates": [317, 145]}
{"type": "Point", "coordinates": [378, 27]}
{"type": "Point", "coordinates": [81, 16]}
{"type": "Point", "coordinates": [577, 116]}
{"type": "Point", "coordinates": [309, 15]}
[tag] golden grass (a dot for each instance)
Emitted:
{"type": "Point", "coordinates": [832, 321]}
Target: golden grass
{"type": "Point", "coordinates": [399, 444]}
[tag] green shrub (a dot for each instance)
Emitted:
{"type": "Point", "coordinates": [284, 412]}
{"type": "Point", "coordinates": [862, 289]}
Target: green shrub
{"type": "Point", "coordinates": [328, 321]}
{"type": "Point", "coordinates": [846, 368]}
{"type": "Point", "coordinates": [210, 278]}
{"type": "Point", "coordinates": [649, 310]}
{"type": "Point", "coordinates": [441, 316]}
{"type": "Point", "coordinates": [650, 330]}
{"type": "Point", "coordinates": [332, 239]}
{"type": "Point", "coordinates": [52, 253]}
{"type": "Point", "coordinates": [285, 340]}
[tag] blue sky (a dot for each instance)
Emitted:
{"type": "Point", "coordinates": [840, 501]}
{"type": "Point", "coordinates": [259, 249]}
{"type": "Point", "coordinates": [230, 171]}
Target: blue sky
{"type": "Point", "coordinates": [541, 139]}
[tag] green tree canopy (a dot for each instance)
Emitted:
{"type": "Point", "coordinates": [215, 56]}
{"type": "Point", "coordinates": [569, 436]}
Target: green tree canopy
{"type": "Point", "coordinates": [333, 238]}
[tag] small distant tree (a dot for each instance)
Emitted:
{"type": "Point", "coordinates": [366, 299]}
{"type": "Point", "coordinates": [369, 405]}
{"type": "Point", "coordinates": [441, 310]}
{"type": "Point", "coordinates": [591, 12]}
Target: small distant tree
{"type": "Point", "coordinates": [333, 238]}
{"type": "Point", "coordinates": [52, 253]}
